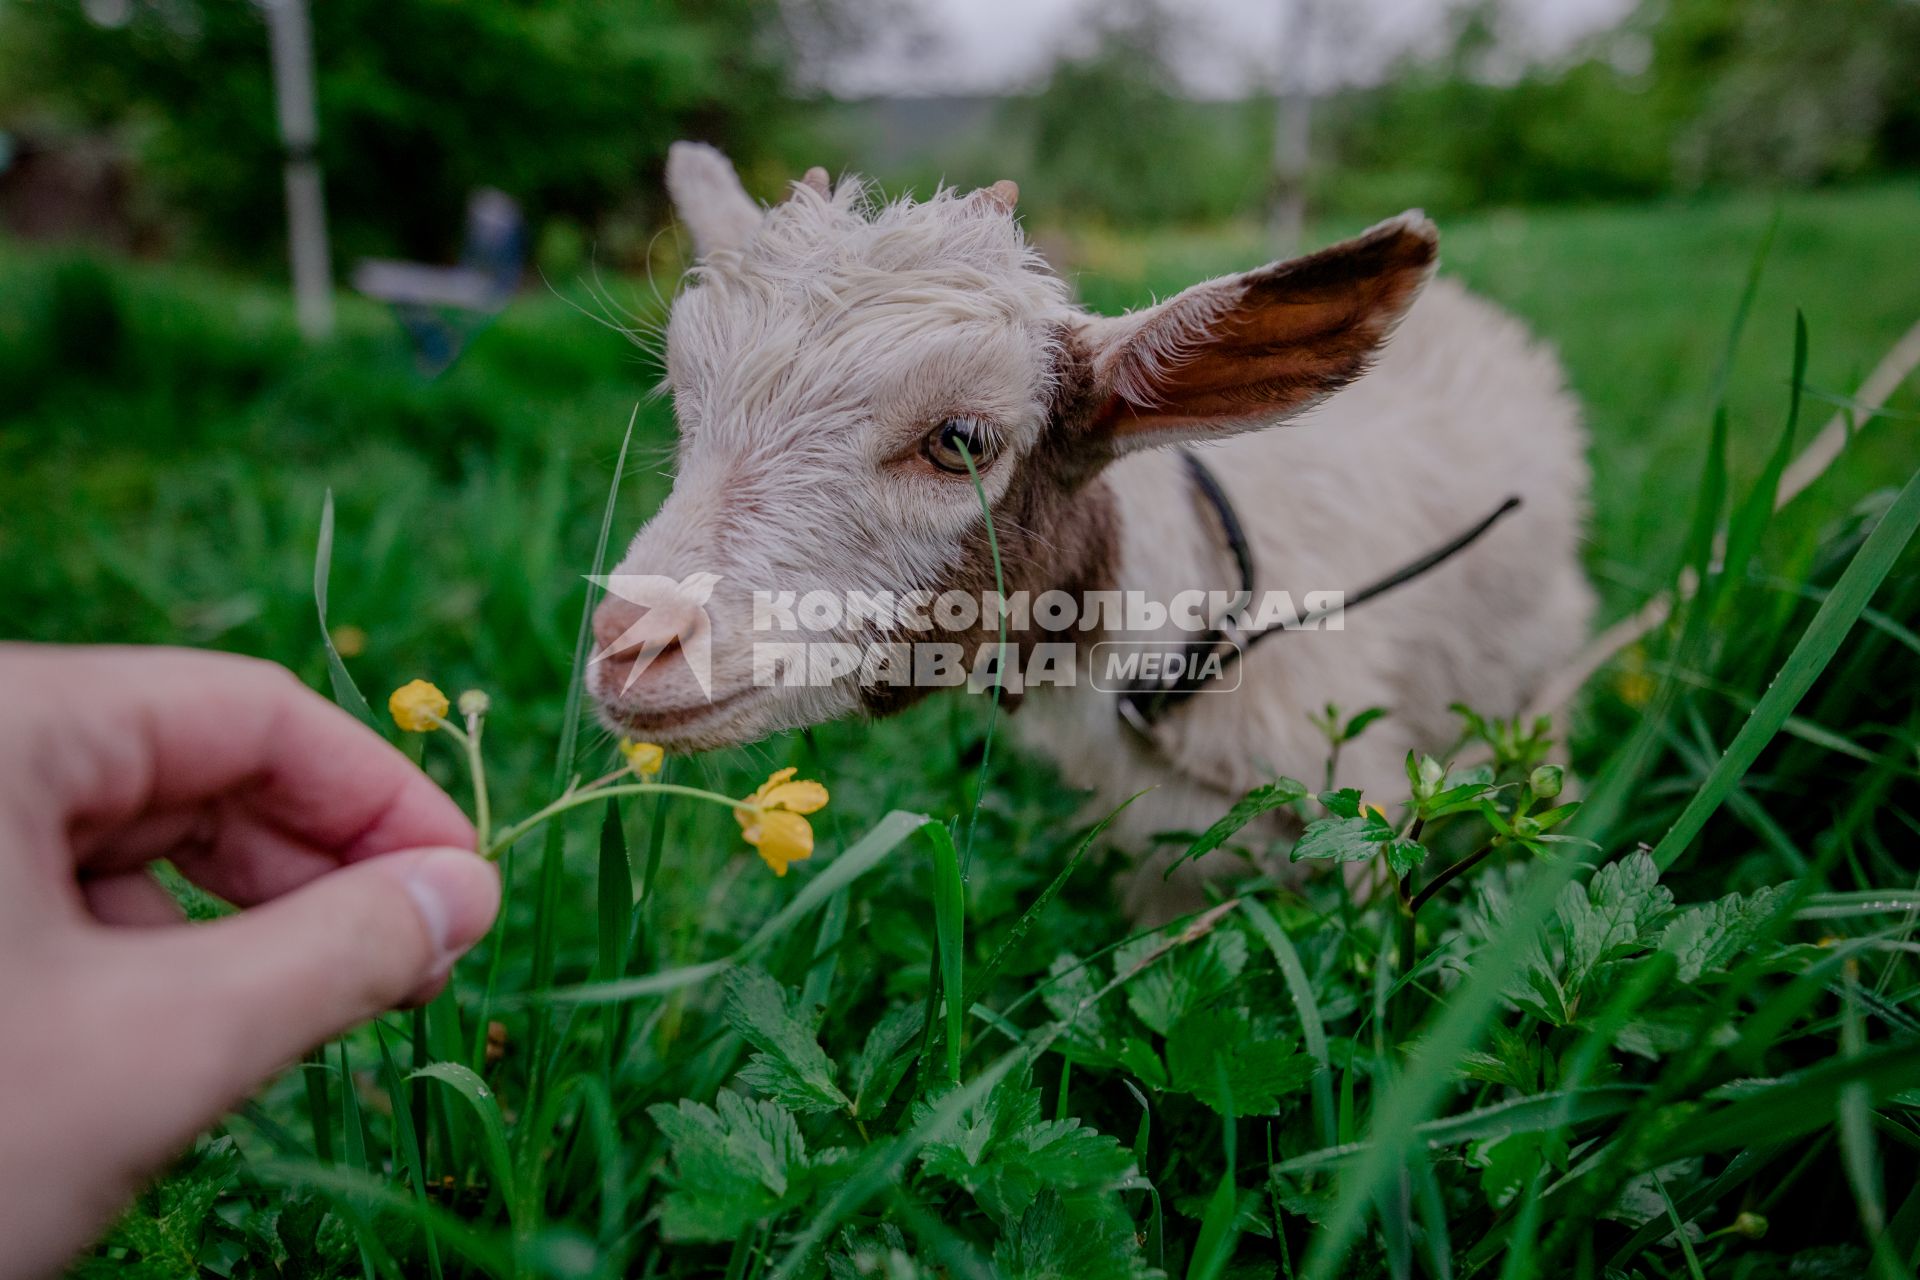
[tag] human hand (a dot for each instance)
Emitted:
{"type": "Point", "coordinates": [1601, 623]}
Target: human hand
{"type": "Point", "coordinates": [124, 1031]}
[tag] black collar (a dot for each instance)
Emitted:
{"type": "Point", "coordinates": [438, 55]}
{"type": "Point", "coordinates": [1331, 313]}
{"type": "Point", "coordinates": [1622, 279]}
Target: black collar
{"type": "Point", "coordinates": [1145, 704]}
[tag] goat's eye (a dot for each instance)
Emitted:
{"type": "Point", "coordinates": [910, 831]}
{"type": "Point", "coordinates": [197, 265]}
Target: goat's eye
{"type": "Point", "coordinates": [944, 446]}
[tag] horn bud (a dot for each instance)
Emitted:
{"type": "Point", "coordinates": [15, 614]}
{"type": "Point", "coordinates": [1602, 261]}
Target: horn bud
{"type": "Point", "coordinates": [1003, 195]}
{"type": "Point", "coordinates": [815, 180]}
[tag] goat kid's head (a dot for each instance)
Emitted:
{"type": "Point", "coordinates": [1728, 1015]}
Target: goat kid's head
{"type": "Point", "coordinates": [831, 359]}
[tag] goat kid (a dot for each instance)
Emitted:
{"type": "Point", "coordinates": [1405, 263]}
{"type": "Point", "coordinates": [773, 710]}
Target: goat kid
{"type": "Point", "coordinates": [836, 361]}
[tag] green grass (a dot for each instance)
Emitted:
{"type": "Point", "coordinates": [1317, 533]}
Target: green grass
{"type": "Point", "coordinates": [710, 1071]}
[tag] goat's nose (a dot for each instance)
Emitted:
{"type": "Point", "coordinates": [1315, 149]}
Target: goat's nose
{"type": "Point", "coordinates": [613, 622]}
{"type": "Point", "coordinates": [633, 637]}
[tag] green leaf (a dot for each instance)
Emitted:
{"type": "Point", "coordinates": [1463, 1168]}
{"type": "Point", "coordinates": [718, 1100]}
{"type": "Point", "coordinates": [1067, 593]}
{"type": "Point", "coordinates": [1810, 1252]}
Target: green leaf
{"type": "Point", "coordinates": [1344, 803]}
{"type": "Point", "coordinates": [1616, 912]}
{"type": "Point", "coordinates": [1216, 1056]}
{"type": "Point", "coordinates": [1188, 979]}
{"type": "Point", "coordinates": [1277, 794]}
{"type": "Point", "coordinates": [1404, 855]}
{"type": "Point", "coordinates": [1344, 839]}
{"type": "Point", "coordinates": [1510, 1059]}
{"type": "Point", "coordinates": [1056, 1239]}
{"type": "Point", "coordinates": [1358, 725]}
{"type": "Point", "coordinates": [1510, 1163]}
{"type": "Point", "coordinates": [1704, 939]}
{"type": "Point", "coordinates": [735, 1164]}
{"type": "Point", "coordinates": [791, 1068]}
{"type": "Point", "coordinates": [1002, 1152]}
{"type": "Point", "coordinates": [875, 1072]}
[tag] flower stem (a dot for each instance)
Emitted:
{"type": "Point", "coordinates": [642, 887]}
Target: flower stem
{"type": "Point", "coordinates": [477, 769]}
{"type": "Point", "coordinates": [573, 799]}
{"type": "Point", "coordinates": [1453, 872]}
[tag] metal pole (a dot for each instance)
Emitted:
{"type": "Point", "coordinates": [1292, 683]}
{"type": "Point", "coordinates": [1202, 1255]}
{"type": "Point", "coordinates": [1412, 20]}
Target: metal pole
{"type": "Point", "coordinates": [291, 37]}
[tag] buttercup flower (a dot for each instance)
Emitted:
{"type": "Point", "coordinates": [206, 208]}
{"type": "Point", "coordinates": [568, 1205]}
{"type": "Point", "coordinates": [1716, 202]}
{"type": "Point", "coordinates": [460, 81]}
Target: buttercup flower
{"type": "Point", "coordinates": [349, 641]}
{"type": "Point", "coordinates": [772, 821]}
{"type": "Point", "coordinates": [644, 758]}
{"type": "Point", "coordinates": [418, 707]}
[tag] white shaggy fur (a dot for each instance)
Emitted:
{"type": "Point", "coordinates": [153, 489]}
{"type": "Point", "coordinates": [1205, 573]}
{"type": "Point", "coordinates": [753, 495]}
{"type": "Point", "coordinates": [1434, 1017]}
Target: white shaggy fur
{"type": "Point", "coordinates": [820, 341]}
{"type": "Point", "coordinates": [1461, 410]}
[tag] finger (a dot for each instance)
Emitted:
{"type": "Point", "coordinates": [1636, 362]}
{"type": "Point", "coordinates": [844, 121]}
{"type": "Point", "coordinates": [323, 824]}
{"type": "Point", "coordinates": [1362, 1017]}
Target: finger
{"type": "Point", "coordinates": [181, 731]}
{"type": "Point", "coordinates": [132, 899]}
{"type": "Point", "coordinates": [252, 992]}
{"type": "Point", "coordinates": [224, 846]}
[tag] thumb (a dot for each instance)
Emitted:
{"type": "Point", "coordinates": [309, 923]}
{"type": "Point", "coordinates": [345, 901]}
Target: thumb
{"type": "Point", "coordinates": [266, 985]}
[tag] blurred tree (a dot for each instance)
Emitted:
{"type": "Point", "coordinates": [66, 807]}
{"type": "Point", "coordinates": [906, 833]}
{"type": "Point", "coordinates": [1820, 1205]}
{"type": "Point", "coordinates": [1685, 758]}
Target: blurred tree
{"type": "Point", "coordinates": [1793, 91]}
{"type": "Point", "coordinates": [1685, 94]}
{"type": "Point", "coordinates": [566, 104]}
{"type": "Point", "coordinates": [1110, 134]}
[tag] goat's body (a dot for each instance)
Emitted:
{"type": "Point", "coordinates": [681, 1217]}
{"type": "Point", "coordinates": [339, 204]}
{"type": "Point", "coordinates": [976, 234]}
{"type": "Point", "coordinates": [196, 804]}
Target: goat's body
{"type": "Point", "coordinates": [1462, 410]}
{"type": "Point", "coordinates": [847, 372]}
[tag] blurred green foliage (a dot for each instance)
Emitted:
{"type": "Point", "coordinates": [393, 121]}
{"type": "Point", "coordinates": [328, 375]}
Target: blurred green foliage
{"type": "Point", "coordinates": [568, 105]}
{"type": "Point", "coordinates": [1685, 95]}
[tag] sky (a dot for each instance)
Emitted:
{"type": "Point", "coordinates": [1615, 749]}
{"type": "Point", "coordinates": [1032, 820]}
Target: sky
{"type": "Point", "coordinates": [1222, 48]}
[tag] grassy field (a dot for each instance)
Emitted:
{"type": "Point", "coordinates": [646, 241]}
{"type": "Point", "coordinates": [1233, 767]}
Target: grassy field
{"type": "Point", "coordinates": [746, 1076]}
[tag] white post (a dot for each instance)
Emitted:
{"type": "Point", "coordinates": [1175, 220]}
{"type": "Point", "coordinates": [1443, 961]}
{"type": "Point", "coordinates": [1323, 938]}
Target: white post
{"type": "Point", "coordinates": [1292, 128]}
{"type": "Point", "coordinates": [291, 37]}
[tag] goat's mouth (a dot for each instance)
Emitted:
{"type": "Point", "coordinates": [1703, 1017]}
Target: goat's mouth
{"type": "Point", "coordinates": [659, 722]}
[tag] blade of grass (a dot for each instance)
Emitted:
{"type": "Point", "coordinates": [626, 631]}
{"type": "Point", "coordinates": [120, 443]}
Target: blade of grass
{"type": "Point", "coordinates": [864, 855]}
{"type": "Point", "coordinates": [614, 895]}
{"type": "Point", "coordinates": [1213, 1247]}
{"type": "Point", "coordinates": [1753, 516]}
{"type": "Point", "coordinates": [345, 691]}
{"type": "Point", "coordinates": [319, 1107]}
{"type": "Point", "coordinates": [354, 1145]}
{"type": "Point", "coordinates": [999, 661]}
{"type": "Point", "coordinates": [949, 914]}
{"type": "Point", "coordinates": [984, 975]}
{"type": "Point", "coordinates": [355, 1189]}
{"type": "Point", "coordinates": [1794, 1104]}
{"type": "Point", "coordinates": [407, 1141]}
{"type": "Point", "coordinates": [546, 911]}
{"type": "Point", "coordinates": [1312, 1028]}
{"type": "Point", "coordinates": [493, 1125]}
{"type": "Point", "coordinates": [1679, 1229]}
{"type": "Point", "coordinates": [1810, 656]}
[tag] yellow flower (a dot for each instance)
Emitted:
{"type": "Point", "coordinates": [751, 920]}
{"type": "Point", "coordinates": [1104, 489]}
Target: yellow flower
{"type": "Point", "coordinates": [1635, 687]}
{"type": "Point", "coordinates": [418, 707]}
{"type": "Point", "coordinates": [644, 758]}
{"type": "Point", "coordinates": [771, 819]}
{"type": "Point", "coordinates": [349, 641]}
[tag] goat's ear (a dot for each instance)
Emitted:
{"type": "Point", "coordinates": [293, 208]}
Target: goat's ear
{"type": "Point", "coordinates": [710, 200]}
{"type": "Point", "coordinates": [1246, 350]}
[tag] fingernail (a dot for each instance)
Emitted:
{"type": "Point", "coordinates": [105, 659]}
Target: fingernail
{"type": "Point", "coordinates": [456, 893]}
